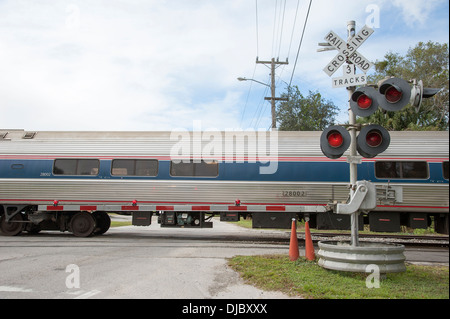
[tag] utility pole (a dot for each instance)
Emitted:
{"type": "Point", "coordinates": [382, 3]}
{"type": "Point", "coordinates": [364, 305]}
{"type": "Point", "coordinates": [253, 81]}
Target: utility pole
{"type": "Point", "coordinates": [272, 99]}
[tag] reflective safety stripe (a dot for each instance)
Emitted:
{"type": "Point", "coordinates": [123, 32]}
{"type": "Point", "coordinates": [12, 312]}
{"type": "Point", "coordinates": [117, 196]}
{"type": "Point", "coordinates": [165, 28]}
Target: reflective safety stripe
{"type": "Point", "coordinates": [186, 208]}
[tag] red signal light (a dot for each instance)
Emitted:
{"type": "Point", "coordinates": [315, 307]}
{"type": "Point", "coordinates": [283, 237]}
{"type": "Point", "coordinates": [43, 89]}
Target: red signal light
{"type": "Point", "coordinates": [393, 95]}
{"type": "Point", "coordinates": [374, 138]}
{"type": "Point", "coordinates": [364, 101]}
{"type": "Point", "coordinates": [335, 139]}
{"type": "Point", "coordinates": [397, 94]}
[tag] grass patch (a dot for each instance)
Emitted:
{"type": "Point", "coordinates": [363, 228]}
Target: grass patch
{"type": "Point", "coordinates": [306, 279]}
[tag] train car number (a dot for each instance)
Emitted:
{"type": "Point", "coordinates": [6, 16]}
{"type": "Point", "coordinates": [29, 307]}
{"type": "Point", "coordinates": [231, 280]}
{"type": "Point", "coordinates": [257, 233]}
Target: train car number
{"type": "Point", "coordinates": [294, 193]}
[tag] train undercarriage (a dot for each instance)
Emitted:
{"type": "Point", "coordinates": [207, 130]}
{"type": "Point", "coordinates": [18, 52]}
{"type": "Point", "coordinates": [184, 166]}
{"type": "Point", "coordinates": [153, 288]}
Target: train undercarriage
{"type": "Point", "coordinates": [14, 219]}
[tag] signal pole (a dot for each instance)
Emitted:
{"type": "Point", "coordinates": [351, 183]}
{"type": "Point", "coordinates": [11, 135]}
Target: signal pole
{"type": "Point", "coordinates": [272, 99]}
{"type": "Point", "coordinates": [352, 160]}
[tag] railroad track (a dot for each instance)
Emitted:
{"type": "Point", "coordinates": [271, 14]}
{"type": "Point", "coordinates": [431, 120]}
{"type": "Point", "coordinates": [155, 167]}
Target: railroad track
{"type": "Point", "coordinates": [428, 241]}
{"type": "Point", "coordinates": [269, 237]}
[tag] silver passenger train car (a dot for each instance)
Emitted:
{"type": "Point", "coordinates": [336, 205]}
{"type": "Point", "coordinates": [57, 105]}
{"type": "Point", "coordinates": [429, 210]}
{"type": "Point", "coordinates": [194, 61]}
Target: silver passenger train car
{"type": "Point", "coordinates": [69, 181]}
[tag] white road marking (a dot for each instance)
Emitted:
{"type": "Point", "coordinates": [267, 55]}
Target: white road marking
{"type": "Point", "coordinates": [88, 294]}
{"type": "Point", "coordinates": [14, 289]}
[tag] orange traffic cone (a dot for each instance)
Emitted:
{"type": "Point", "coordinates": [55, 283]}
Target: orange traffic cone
{"type": "Point", "coordinates": [293, 245]}
{"type": "Point", "coordinates": [309, 248]}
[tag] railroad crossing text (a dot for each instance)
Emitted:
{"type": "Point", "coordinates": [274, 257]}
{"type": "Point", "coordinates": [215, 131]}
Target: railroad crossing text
{"type": "Point", "coordinates": [345, 81]}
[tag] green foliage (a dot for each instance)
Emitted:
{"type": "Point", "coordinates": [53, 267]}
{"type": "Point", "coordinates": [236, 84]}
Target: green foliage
{"type": "Point", "coordinates": [300, 113]}
{"type": "Point", "coordinates": [306, 279]}
{"type": "Point", "coordinates": [428, 62]}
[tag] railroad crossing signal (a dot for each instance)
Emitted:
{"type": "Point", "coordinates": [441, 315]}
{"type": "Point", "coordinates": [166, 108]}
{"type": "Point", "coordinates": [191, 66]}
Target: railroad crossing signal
{"type": "Point", "coordinates": [372, 140]}
{"type": "Point", "coordinates": [393, 94]}
{"type": "Point", "coordinates": [334, 141]}
{"type": "Point", "coordinates": [364, 102]}
{"type": "Point", "coordinates": [396, 92]}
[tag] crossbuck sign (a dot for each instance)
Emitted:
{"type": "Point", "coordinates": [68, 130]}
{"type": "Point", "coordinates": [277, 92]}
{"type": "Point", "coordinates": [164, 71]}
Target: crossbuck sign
{"type": "Point", "coordinates": [348, 52]}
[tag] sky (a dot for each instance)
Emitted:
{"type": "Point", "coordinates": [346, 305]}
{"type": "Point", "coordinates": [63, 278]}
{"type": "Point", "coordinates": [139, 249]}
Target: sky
{"type": "Point", "coordinates": [161, 65]}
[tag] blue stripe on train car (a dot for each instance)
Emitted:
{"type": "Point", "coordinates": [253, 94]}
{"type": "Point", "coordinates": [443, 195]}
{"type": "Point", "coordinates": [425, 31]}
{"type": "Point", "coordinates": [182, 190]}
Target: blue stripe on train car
{"type": "Point", "coordinates": [285, 172]}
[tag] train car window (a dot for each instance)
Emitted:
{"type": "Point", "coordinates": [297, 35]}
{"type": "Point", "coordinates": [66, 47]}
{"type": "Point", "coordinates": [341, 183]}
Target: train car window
{"type": "Point", "coordinates": [76, 167]}
{"type": "Point", "coordinates": [134, 167]}
{"type": "Point", "coordinates": [146, 167]}
{"type": "Point", "coordinates": [414, 170]}
{"type": "Point", "coordinates": [445, 169]}
{"type": "Point", "coordinates": [401, 169]}
{"type": "Point", "coordinates": [191, 169]}
{"type": "Point", "coordinates": [206, 169]}
{"type": "Point", "coordinates": [387, 169]}
{"type": "Point", "coordinates": [65, 167]}
{"type": "Point", "coordinates": [122, 167]}
{"type": "Point", "coordinates": [87, 167]}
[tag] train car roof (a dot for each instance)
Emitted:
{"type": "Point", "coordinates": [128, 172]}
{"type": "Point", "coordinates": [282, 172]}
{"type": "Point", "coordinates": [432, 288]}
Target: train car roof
{"type": "Point", "coordinates": [420, 144]}
{"type": "Point", "coordinates": [21, 133]}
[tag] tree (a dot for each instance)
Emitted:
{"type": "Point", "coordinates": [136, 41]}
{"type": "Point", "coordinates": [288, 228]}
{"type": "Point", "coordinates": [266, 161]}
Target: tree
{"type": "Point", "coordinates": [428, 62]}
{"type": "Point", "coordinates": [299, 113]}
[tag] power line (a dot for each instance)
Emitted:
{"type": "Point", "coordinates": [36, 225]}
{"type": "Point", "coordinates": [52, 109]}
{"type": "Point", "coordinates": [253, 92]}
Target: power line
{"type": "Point", "coordinates": [258, 111]}
{"type": "Point", "coordinates": [257, 36]}
{"type": "Point", "coordinates": [281, 31]}
{"type": "Point", "coordinates": [248, 95]}
{"type": "Point", "coordinates": [301, 40]}
{"type": "Point", "coordinates": [277, 40]}
{"type": "Point", "coordinates": [261, 107]}
{"type": "Point", "coordinates": [293, 28]}
{"type": "Point", "coordinates": [274, 27]}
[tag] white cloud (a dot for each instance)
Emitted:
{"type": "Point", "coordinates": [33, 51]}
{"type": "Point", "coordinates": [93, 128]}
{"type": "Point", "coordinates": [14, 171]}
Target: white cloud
{"type": "Point", "coordinates": [110, 63]}
{"type": "Point", "coordinates": [156, 65]}
{"type": "Point", "coordinates": [416, 11]}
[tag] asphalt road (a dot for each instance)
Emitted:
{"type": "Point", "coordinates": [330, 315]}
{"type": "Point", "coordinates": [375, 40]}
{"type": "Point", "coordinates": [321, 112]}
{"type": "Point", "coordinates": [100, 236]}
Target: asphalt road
{"type": "Point", "coordinates": [142, 262]}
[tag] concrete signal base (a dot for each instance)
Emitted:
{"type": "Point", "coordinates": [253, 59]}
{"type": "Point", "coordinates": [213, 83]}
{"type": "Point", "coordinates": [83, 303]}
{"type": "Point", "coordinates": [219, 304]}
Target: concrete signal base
{"type": "Point", "coordinates": [342, 256]}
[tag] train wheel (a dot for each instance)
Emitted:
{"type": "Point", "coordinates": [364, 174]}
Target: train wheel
{"type": "Point", "coordinates": [82, 224]}
{"type": "Point", "coordinates": [103, 222]}
{"type": "Point", "coordinates": [13, 227]}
